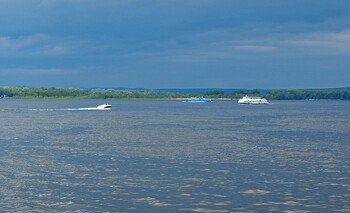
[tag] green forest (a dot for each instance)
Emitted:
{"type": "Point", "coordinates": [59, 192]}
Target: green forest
{"type": "Point", "coordinates": [76, 93]}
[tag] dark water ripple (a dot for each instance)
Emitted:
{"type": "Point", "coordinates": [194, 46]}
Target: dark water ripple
{"type": "Point", "coordinates": [169, 156]}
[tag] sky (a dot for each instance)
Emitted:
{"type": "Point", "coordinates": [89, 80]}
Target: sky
{"type": "Point", "coordinates": [157, 44]}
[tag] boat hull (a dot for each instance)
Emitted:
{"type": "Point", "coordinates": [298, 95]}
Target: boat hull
{"type": "Point", "coordinates": [254, 103]}
{"type": "Point", "coordinates": [198, 100]}
{"type": "Point", "coordinates": [252, 100]}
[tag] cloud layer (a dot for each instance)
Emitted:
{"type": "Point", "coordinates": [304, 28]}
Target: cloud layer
{"type": "Point", "coordinates": [174, 44]}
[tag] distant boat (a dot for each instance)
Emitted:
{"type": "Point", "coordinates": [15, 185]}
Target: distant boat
{"type": "Point", "coordinates": [252, 100]}
{"type": "Point", "coordinates": [198, 100]}
{"type": "Point", "coordinates": [104, 106]}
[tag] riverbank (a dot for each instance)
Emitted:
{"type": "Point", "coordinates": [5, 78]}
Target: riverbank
{"type": "Point", "coordinates": [77, 93]}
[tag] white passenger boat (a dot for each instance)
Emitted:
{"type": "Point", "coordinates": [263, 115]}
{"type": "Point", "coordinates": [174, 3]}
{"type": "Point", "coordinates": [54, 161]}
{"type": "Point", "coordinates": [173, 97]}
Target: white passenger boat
{"type": "Point", "coordinates": [252, 100]}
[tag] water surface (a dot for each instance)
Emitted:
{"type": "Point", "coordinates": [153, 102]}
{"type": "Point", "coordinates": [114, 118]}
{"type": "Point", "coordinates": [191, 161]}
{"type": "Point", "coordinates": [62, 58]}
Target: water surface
{"type": "Point", "coordinates": [170, 156]}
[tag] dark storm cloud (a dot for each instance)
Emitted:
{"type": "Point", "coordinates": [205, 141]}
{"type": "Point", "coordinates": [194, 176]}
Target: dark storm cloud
{"type": "Point", "coordinates": [155, 44]}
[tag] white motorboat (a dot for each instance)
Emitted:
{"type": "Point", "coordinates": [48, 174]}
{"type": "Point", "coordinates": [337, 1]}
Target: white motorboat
{"type": "Point", "coordinates": [104, 106]}
{"type": "Point", "coordinates": [252, 100]}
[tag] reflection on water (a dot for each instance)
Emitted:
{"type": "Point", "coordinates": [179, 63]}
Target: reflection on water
{"type": "Point", "coordinates": [169, 156]}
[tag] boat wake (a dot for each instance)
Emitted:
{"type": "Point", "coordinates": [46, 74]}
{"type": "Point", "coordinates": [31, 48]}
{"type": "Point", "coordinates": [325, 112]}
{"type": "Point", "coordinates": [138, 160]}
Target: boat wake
{"type": "Point", "coordinates": [100, 107]}
{"type": "Point", "coordinates": [66, 109]}
{"type": "Point", "coordinates": [79, 109]}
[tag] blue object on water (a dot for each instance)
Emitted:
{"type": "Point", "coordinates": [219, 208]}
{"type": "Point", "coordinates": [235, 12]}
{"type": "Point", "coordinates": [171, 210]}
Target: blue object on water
{"type": "Point", "coordinates": [198, 100]}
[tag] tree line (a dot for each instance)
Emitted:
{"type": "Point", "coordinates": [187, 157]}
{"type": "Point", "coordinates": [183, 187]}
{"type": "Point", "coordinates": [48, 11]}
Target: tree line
{"type": "Point", "coordinates": [75, 93]}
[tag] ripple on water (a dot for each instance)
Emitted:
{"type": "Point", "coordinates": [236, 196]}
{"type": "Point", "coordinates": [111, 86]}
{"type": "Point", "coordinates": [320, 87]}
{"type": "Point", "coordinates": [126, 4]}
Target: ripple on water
{"type": "Point", "coordinates": [165, 156]}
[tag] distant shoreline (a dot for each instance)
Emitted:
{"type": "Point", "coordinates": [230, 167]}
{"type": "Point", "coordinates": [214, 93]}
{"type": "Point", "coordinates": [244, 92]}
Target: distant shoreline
{"type": "Point", "coordinates": [161, 99]}
{"type": "Point", "coordinates": [217, 94]}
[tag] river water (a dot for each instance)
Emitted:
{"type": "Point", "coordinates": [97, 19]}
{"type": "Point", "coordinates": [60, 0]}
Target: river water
{"type": "Point", "coordinates": [170, 156]}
